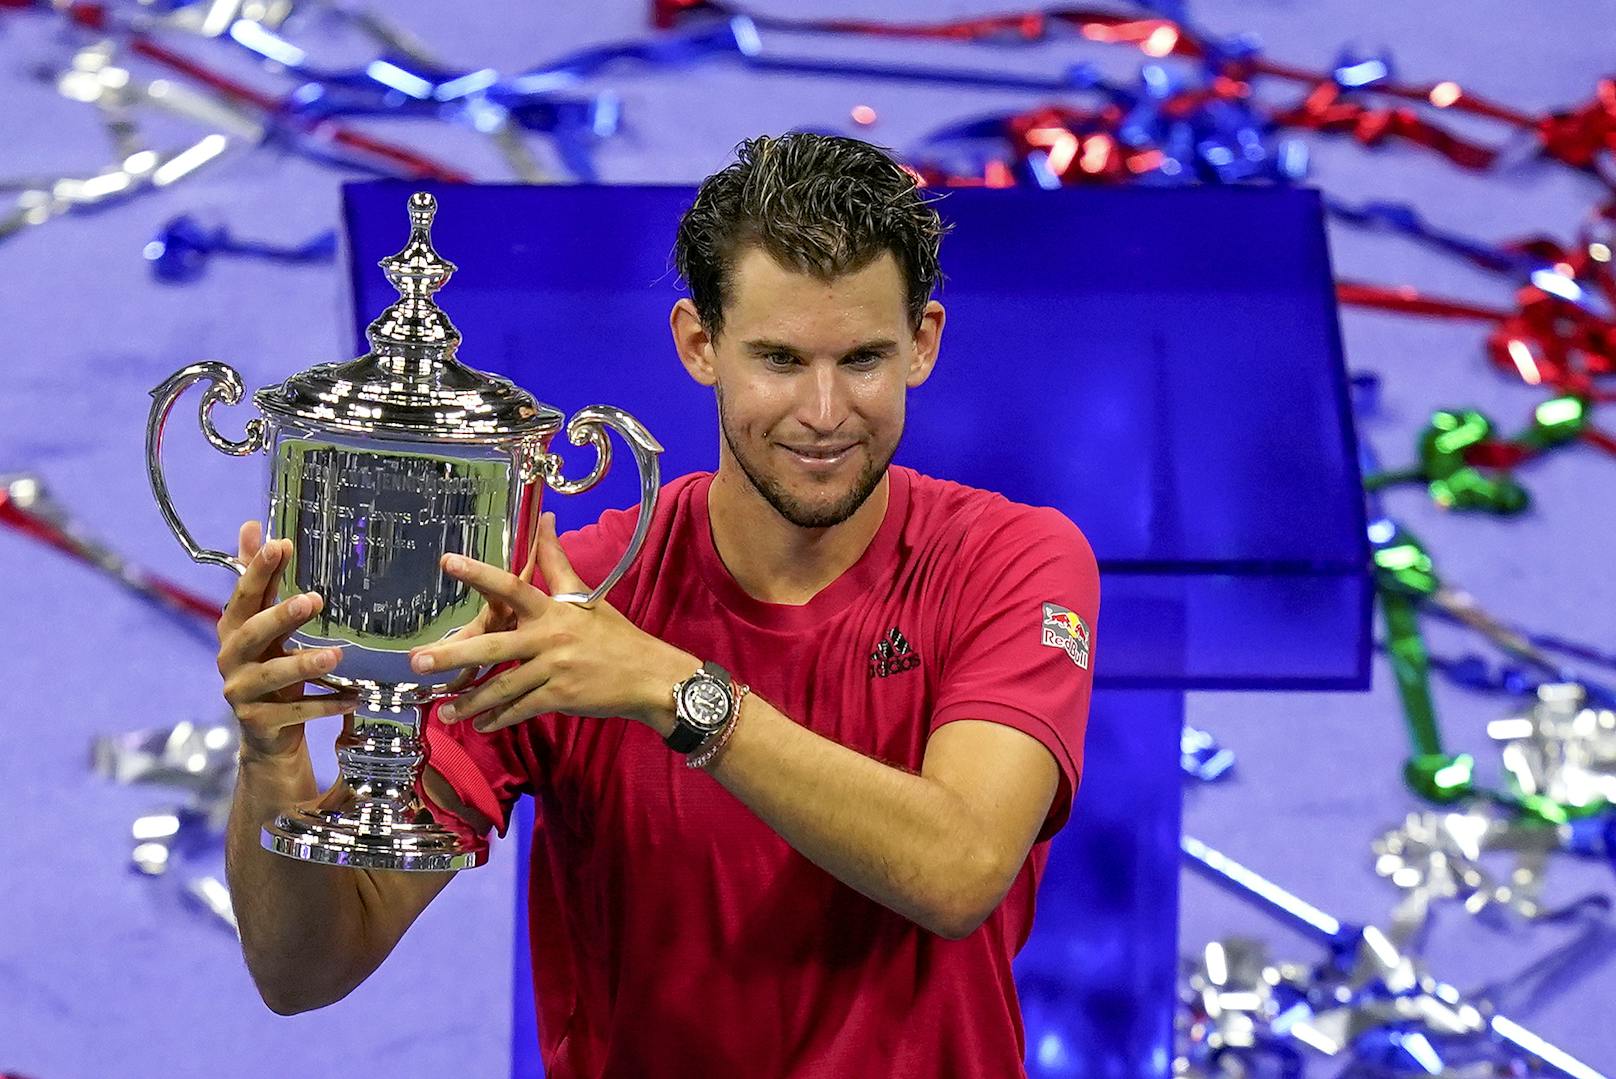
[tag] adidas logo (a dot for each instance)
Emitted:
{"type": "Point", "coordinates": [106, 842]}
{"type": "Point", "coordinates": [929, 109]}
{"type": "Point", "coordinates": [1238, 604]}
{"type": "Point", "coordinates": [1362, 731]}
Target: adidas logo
{"type": "Point", "coordinates": [893, 656]}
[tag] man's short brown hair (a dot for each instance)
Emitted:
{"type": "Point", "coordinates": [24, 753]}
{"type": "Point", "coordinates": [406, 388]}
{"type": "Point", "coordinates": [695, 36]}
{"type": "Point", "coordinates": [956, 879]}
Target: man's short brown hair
{"type": "Point", "coordinates": [820, 204]}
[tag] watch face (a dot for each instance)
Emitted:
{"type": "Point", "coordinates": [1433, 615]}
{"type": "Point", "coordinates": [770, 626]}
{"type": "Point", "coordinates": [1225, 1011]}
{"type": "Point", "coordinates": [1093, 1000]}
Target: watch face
{"type": "Point", "coordinates": [706, 703]}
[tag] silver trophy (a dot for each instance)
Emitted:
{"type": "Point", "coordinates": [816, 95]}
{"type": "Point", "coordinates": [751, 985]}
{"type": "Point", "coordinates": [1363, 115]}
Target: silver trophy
{"type": "Point", "coordinates": [378, 467]}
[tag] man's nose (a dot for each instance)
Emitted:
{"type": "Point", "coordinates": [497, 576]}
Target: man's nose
{"type": "Point", "coordinates": [826, 405]}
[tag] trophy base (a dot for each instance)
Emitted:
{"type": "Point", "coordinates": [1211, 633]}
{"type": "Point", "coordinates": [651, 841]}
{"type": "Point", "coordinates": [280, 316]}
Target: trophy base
{"type": "Point", "coordinates": [411, 841]}
{"type": "Point", "coordinates": [373, 816]}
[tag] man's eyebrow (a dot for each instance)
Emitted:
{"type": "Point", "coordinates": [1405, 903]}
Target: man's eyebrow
{"type": "Point", "coordinates": [763, 344]}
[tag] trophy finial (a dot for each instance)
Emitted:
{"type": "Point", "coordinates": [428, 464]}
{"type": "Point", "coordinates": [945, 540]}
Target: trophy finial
{"type": "Point", "coordinates": [415, 321]}
{"type": "Point", "coordinates": [423, 207]}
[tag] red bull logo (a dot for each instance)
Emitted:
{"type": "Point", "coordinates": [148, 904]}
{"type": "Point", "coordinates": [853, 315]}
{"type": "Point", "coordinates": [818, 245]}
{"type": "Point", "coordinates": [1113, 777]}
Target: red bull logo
{"type": "Point", "coordinates": [1063, 629]}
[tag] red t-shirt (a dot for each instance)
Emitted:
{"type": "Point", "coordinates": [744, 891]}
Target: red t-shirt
{"type": "Point", "coordinates": [673, 933]}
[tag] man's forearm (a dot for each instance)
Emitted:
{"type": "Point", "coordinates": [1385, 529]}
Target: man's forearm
{"type": "Point", "coordinates": [905, 841]}
{"type": "Point", "coordinates": [302, 924]}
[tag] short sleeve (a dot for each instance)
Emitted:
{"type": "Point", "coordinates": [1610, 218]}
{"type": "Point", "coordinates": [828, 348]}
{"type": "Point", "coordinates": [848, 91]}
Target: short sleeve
{"type": "Point", "coordinates": [1021, 650]}
{"type": "Point", "coordinates": [487, 772]}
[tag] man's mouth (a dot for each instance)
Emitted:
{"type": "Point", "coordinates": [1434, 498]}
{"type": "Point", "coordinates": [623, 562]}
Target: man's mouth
{"type": "Point", "coordinates": [820, 457]}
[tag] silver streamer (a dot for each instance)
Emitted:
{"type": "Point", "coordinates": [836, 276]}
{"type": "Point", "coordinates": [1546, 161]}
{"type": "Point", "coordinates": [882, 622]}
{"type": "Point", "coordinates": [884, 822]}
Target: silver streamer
{"type": "Point", "coordinates": [258, 20]}
{"type": "Point", "coordinates": [1201, 757]}
{"type": "Point", "coordinates": [93, 78]}
{"type": "Point", "coordinates": [1369, 1004]}
{"type": "Point", "coordinates": [1560, 750]}
{"type": "Point", "coordinates": [1490, 858]}
{"type": "Point", "coordinates": [1371, 1007]}
{"type": "Point", "coordinates": [1437, 857]}
{"type": "Point", "coordinates": [184, 841]}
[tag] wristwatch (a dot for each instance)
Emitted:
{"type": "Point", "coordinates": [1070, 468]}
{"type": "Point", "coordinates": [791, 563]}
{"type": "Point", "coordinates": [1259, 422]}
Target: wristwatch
{"type": "Point", "coordinates": [702, 705]}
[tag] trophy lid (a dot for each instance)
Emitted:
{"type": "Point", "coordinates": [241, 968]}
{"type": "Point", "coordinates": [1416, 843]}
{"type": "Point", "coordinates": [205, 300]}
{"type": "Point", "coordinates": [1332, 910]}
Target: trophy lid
{"type": "Point", "coordinates": [410, 385]}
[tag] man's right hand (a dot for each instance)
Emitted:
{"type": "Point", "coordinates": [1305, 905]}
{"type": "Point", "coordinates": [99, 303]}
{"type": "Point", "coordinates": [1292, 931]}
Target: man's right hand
{"type": "Point", "coordinates": [262, 681]}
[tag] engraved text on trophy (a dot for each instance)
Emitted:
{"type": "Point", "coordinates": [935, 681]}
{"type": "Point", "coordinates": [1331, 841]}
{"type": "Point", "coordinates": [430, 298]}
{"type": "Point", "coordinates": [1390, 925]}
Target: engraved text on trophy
{"type": "Point", "coordinates": [369, 528]}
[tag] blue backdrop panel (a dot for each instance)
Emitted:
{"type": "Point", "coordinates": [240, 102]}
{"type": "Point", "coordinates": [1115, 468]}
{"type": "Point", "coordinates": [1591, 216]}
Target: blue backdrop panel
{"type": "Point", "coordinates": [1163, 365]}
{"type": "Point", "coordinates": [1132, 357]}
{"type": "Point", "coordinates": [1096, 977]}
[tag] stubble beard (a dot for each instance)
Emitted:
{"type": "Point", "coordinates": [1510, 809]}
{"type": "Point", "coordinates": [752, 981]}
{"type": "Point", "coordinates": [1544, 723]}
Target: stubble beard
{"type": "Point", "coordinates": [800, 513]}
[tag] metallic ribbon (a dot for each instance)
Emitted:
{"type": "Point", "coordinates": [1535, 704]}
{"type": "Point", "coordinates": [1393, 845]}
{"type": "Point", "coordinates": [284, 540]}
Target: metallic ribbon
{"type": "Point", "coordinates": [1560, 755]}
{"type": "Point", "coordinates": [1201, 757]}
{"type": "Point", "coordinates": [1369, 1001]}
{"type": "Point", "coordinates": [94, 79]}
{"type": "Point", "coordinates": [352, 147]}
{"type": "Point", "coordinates": [180, 251]}
{"type": "Point", "coordinates": [1404, 575]}
{"type": "Point", "coordinates": [1464, 465]}
{"type": "Point", "coordinates": [189, 837]}
{"type": "Point", "coordinates": [27, 508]}
{"type": "Point", "coordinates": [1343, 99]}
{"type": "Point", "coordinates": [1437, 857]}
{"type": "Point", "coordinates": [406, 79]}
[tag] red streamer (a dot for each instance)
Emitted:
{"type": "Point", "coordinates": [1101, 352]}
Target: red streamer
{"type": "Point", "coordinates": [1579, 137]}
{"type": "Point", "coordinates": [43, 530]}
{"type": "Point", "coordinates": [1552, 342]}
{"type": "Point", "coordinates": [1546, 341]}
{"type": "Point", "coordinates": [1327, 110]}
{"type": "Point", "coordinates": [1410, 301]}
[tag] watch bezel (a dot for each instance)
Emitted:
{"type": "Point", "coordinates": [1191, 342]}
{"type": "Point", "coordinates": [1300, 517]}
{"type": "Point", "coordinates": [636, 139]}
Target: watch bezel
{"type": "Point", "coordinates": [694, 711]}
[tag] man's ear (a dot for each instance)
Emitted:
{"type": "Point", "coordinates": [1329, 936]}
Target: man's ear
{"type": "Point", "coordinates": [928, 339]}
{"type": "Point", "coordinates": [694, 345]}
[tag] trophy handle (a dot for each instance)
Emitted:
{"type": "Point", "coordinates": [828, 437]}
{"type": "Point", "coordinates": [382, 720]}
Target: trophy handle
{"type": "Point", "coordinates": [225, 385]}
{"type": "Point", "coordinates": [589, 425]}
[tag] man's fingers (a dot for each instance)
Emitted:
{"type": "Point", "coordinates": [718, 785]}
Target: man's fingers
{"type": "Point", "coordinates": [524, 708]}
{"type": "Point", "coordinates": [481, 650]}
{"type": "Point", "coordinates": [497, 692]}
{"type": "Point", "coordinates": [258, 680]}
{"type": "Point", "coordinates": [249, 538]}
{"type": "Point", "coordinates": [496, 584]}
{"type": "Point", "coordinates": [470, 631]}
{"type": "Point", "coordinates": [266, 718]}
{"type": "Point", "coordinates": [558, 573]}
{"type": "Point", "coordinates": [247, 599]}
{"type": "Point", "coordinates": [255, 636]}
{"type": "Point", "coordinates": [478, 625]}
{"type": "Point", "coordinates": [272, 583]}
{"type": "Point", "coordinates": [462, 680]}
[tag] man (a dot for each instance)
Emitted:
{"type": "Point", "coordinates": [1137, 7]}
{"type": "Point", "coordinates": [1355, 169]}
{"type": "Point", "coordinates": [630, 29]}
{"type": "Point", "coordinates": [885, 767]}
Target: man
{"type": "Point", "coordinates": [840, 886]}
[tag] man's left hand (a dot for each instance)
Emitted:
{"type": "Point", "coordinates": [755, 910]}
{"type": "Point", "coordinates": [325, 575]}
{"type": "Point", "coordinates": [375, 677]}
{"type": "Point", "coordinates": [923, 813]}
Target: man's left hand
{"type": "Point", "coordinates": [571, 659]}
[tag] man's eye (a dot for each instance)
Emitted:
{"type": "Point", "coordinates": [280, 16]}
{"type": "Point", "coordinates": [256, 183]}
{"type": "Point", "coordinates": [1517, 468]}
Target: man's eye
{"type": "Point", "coordinates": [866, 360]}
{"type": "Point", "coordinates": [780, 359]}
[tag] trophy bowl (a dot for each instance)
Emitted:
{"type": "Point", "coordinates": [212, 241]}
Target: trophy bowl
{"type": "Point", "coordinates": [378, 467]}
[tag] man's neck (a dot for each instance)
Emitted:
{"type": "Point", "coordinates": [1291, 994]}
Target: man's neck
{"type": "Point", "coordinates": [772, 559]}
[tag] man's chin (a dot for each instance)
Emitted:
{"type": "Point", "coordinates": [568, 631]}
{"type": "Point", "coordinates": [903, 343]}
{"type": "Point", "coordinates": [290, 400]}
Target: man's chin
{"type": "Point", "coordinates": [814, 504]}
{"type": "Point", "coordinates": [801, 497]}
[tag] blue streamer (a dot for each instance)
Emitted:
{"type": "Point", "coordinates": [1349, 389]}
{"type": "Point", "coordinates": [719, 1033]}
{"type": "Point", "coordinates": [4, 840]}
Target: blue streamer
{"type": "Point", "coordinates": [1357, 70]}
{"type": "Point", "coordinates": [180, 251]}
{"type": "Point", "coordinates": [398, 85]}
{"type": "Point", "coordinates": [1219, 141]}
{"type": "Point", "coordinates": [1402, 218]}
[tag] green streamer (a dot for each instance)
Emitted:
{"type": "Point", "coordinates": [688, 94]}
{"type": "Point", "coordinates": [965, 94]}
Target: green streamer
{"type": "Point", "coordinates": [1455, 484]}
{"type": "Point", "coordinates": [1403, 577]}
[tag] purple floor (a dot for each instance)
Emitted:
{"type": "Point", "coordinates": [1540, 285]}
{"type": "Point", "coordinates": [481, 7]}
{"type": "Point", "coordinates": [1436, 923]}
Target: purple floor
{"type": "Point", "coordinates": [102, 973]}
